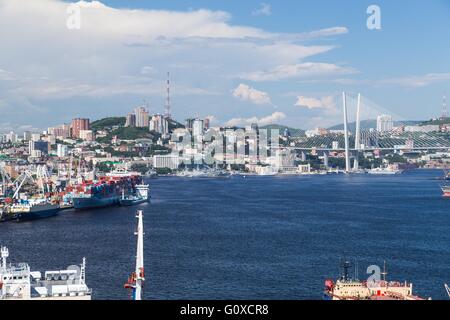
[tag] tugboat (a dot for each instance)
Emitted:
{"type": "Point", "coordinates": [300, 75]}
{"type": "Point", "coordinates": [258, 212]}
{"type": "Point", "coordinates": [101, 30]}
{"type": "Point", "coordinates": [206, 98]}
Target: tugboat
{"type": "Point", "coordinates": [33, 209]}
{"type": "Point", "coordinates": [140, 195]}
{"type": "Point", "coordinates": [347, 288]}
{"type": "Point", "coordinates": [17, 282]}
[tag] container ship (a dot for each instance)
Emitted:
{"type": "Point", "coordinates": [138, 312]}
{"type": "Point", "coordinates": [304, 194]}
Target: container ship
{"type": "Point", "coordinates": [32, 209]}
{"type": "Point", "coordinates": [105, 192]}
{"type": "Point", "coordinates": [346, 288]}
{"type": "Point", "coordinates": [18, 282]}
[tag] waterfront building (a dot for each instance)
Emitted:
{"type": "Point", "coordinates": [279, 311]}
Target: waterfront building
{"type": "Point", "coordinates": [304, 168]}
{"type": "Point", "coordinates": [282, 159]}
{"type": "Point", "coordinates": [78, 125]}
{"type": "Point", "coordinates": [384, 123]}
{"type": "Point", "coordinates": [166, 161]}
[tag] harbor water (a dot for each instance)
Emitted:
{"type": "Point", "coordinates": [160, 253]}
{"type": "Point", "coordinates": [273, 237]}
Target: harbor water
{"type": "Point", "coordinates": [252, 237]}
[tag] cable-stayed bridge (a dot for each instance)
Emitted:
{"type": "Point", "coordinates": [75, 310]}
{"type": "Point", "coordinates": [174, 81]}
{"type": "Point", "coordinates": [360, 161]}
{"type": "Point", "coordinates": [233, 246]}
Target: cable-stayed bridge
{"type": "Point", "coordinates": [391, 132]}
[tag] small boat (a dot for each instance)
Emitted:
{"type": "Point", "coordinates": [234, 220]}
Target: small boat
{"type": "Point", "coordinates": [141, 195]}
{"type": "Point", "coordinates": [385, 171]}
{"type": "Point", "coordinates": [151, 174]}
{"type": "Point", "coordinates": [446, 191]}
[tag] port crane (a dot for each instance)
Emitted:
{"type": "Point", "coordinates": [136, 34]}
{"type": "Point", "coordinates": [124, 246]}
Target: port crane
{"type": "Point", "coordinates": [5, 180]}
{"type": "Point", "coordinates": [19, 182]}
{"type": "Point", "coordinates": [136, 281]}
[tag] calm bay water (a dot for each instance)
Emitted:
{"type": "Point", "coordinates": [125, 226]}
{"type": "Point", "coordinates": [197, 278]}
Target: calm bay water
{"type": "Point", "coordinates": [254, 237]}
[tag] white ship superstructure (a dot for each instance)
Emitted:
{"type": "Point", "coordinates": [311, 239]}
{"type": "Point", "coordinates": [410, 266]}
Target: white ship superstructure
{"type": "Point", "coordinates": [346, 288]}
{"type": "Point", "coordinates": [390, 170]}
{"type": "Point", "coordinates": [18, 282]}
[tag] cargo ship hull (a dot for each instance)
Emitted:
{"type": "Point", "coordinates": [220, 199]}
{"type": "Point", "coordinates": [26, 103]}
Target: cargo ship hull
{"type": "Point", "coordinates": [130, 202]}
{"type": "Point", "coordinates": [83, 203]}
{"type": "Point", "coordinates": [36, 215]}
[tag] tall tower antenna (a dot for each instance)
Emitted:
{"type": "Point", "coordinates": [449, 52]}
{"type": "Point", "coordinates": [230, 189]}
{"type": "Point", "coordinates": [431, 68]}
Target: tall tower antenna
{"type": "Point", "coordinates": [444, 107]}
{"type": "Point", "coordinates": [167, 107]}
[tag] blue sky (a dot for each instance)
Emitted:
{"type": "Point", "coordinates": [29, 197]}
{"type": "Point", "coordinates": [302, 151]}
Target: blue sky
{"type": "Point", "coordinates": [229, 60]}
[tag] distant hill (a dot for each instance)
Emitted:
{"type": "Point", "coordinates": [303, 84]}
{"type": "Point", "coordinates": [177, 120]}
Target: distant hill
{"type": "Point", "coordinates": [127, 133]}
{"type": "Point", "coordinates": [108, 123]}
{"type": "Point", "coordinates": [294, 132]}
{"type": "Point", "coordinates": [368, 124]}
{"type": "Point", "coordinates": [436, 121]}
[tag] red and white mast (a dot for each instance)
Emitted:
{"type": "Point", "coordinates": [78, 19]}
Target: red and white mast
{"type": "Point", "coordinates": [137, 278]}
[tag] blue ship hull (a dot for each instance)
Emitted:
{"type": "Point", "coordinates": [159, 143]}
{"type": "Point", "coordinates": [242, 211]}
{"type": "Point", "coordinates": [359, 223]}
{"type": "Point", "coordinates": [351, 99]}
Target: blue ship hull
{"type": "Point", "coordinates": [95, 203]}
{"type": "Point", "coordinates": [28, 216]}
{"type": "Point", "coordinates": [129, 202]}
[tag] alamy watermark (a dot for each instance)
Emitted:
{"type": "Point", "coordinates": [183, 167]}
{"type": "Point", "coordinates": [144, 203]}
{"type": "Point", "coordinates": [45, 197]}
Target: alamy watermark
{"type": "Point", "coordinates": [73, 21]}
{"type": "Point", "coordinates": [374, 19]}
{"type": "Point", "coordinates": [231, 146]}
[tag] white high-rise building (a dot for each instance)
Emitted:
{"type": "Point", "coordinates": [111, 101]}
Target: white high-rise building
{"type": "Point", "coordinates": [11, 137]}
{"type": "Point", "coordinates": [384, 123]}
{"type": "Point", "coordinates": [159, 123]}
{"type": "Point", "coordinates": [62, 151]}
{"type": "Point", "coordinates": [27, 135]}
{"type": "Point", "coordinates": [142, 118]}
{"type": "Point", "coordinates": [197, 127]}
{"type": "Point", "coordinates": [35, 136]}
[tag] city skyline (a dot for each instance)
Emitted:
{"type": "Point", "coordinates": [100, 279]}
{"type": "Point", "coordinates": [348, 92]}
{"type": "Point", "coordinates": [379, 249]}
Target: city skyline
{"type": "Point", "coordinates": [283, 63]}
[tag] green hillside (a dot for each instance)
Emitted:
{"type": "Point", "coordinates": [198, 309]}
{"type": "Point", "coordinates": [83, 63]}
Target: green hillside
{"type": "Point", "coordinates": [294, 132]}
{"type": "Point", "coordinates": [108, 123]}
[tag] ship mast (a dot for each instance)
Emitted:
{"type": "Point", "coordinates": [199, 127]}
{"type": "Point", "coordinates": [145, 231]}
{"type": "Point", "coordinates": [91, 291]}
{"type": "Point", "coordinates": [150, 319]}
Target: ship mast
{"type": "Point", "coordinates": [137, 278]}
{"type": "Point", "coordinates": [384, 273]}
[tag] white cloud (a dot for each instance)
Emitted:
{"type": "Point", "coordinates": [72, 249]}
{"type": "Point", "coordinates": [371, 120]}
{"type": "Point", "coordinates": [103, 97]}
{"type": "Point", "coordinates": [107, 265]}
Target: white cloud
{"type": "Point", "coordinates": [300, 70]}
{"type": "Point", "coordinates": [263, 10]}
{"type": "Point", "coordinates": [5, 75]}
{"type": "Point", "coordinates": [416, 81]}
{"type": "Point", "coordinates": [147, 70]}
{"type": "Point", "coordinates": [247, 93]}
{"type": "Point", "coordinates": [325, 104]}
{"type": "Point", "coordinates": [270, 119]}
{"type": "Point", "coordinates": [121, 56]}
